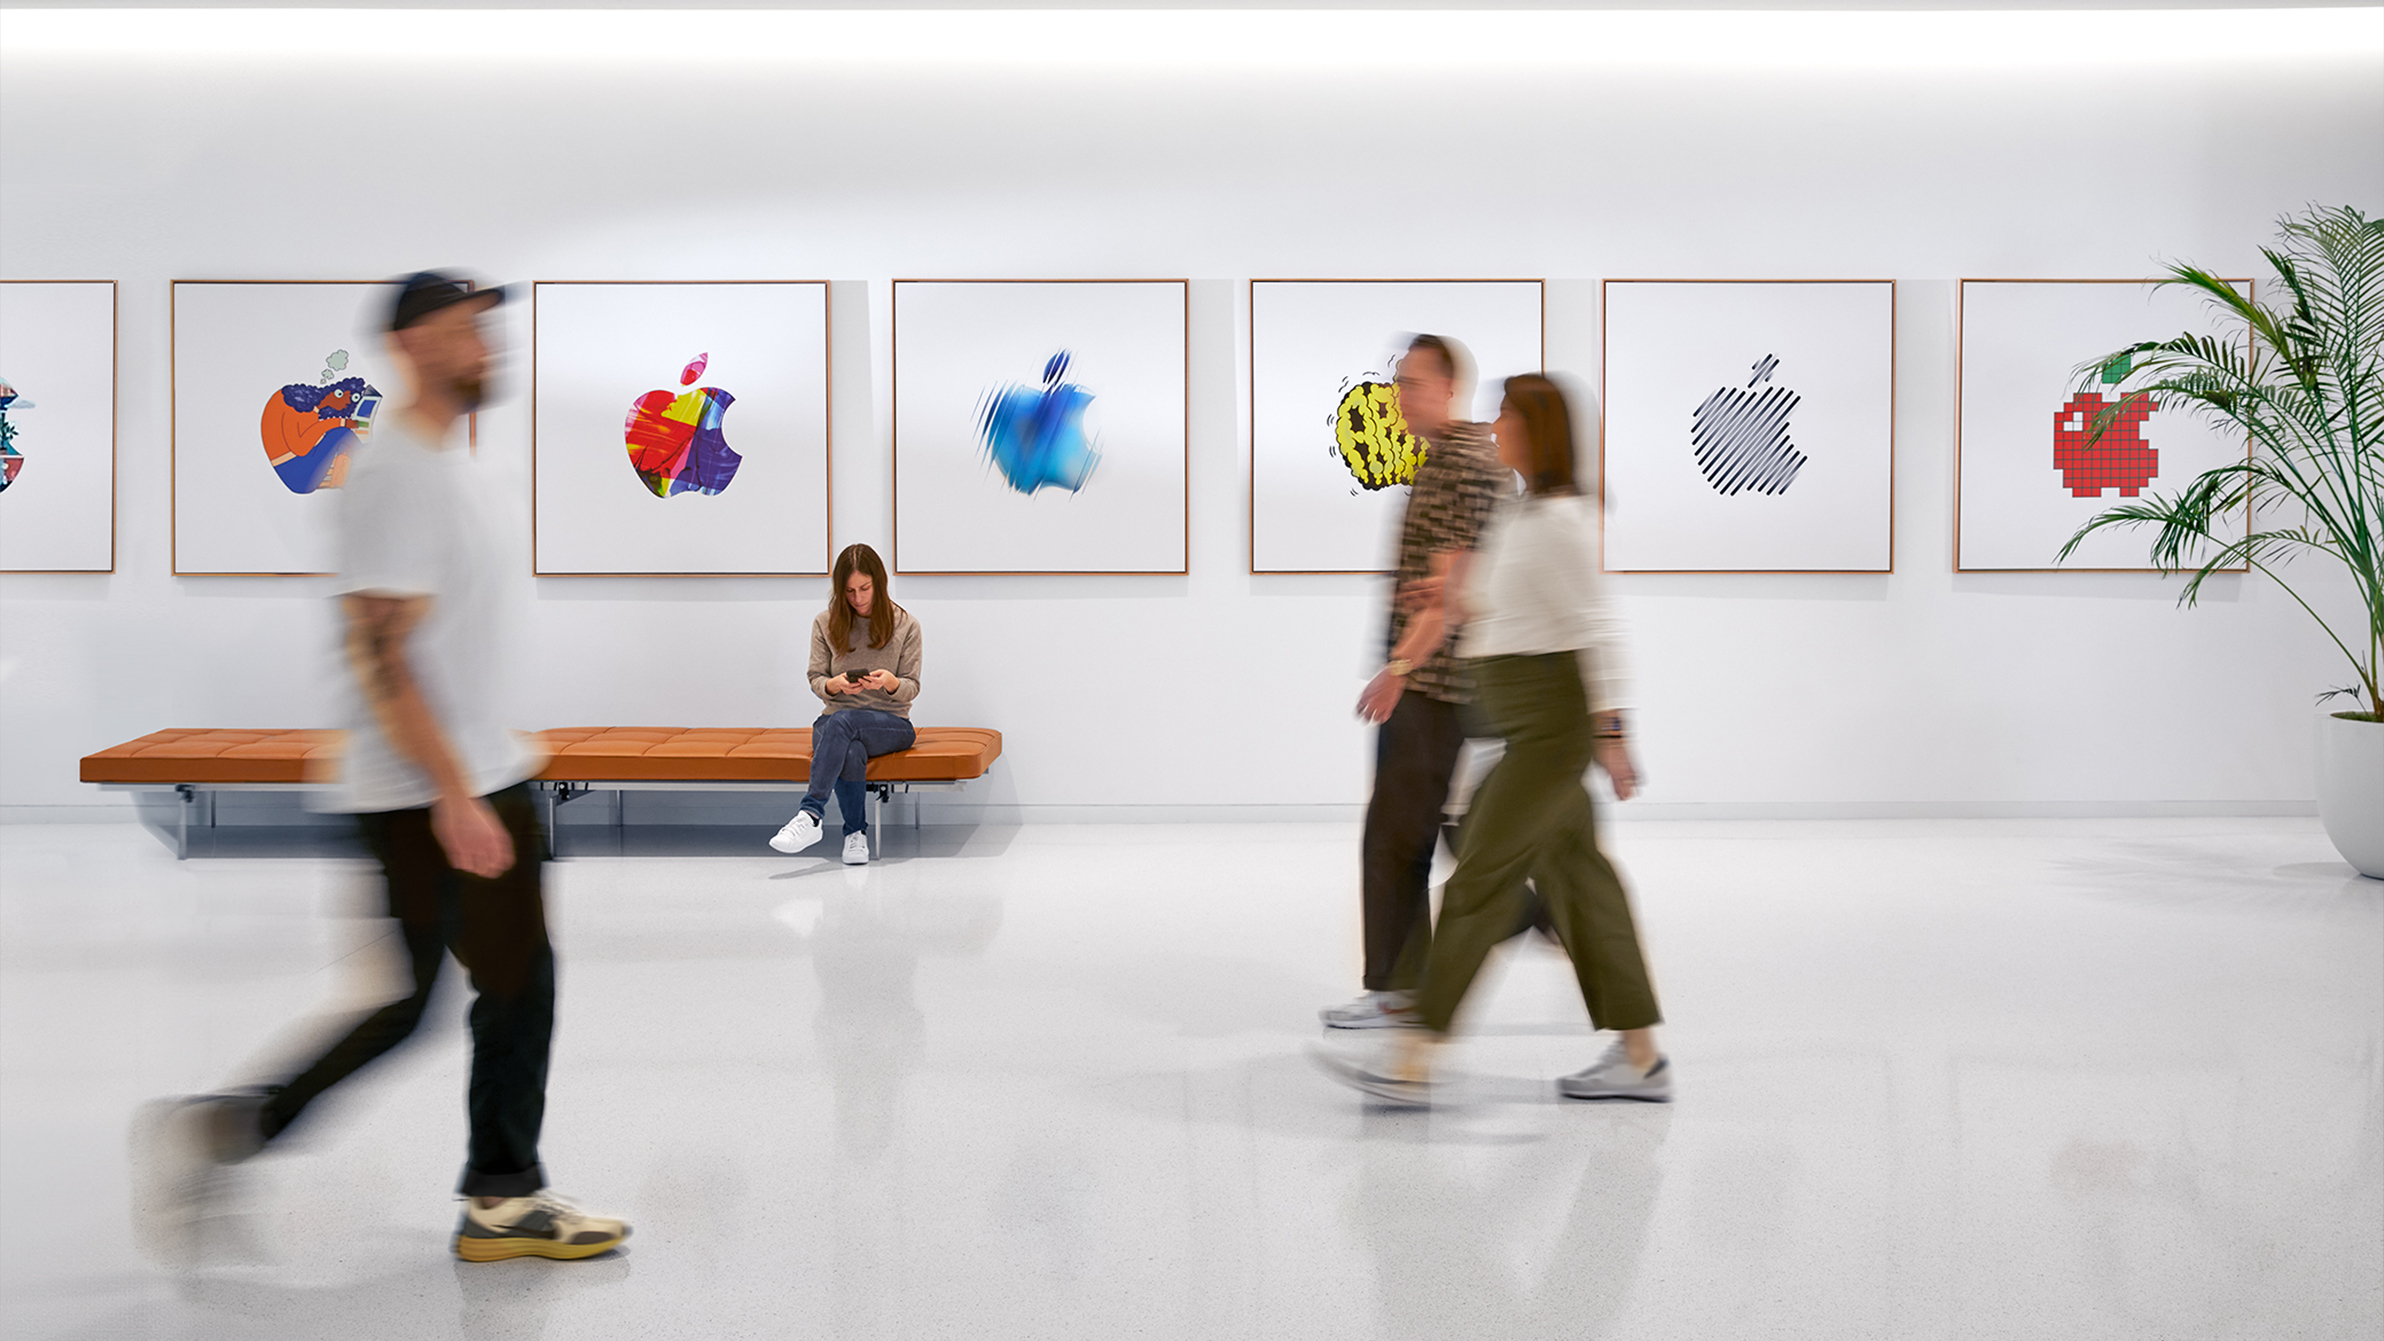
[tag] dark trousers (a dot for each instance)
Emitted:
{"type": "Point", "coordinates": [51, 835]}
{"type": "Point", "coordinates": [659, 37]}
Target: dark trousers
{"type": "Point", "coordinates": [842, 744]}
{"type": "Point", "coordinates": [1415, 756]}
{"type": "Point", "coordinates": [497, 930]}
{"type": "Point", "coordinates": [1531, 819]}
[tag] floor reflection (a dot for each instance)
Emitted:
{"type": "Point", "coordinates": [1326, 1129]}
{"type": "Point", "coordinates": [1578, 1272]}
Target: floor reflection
{"type": "Point", "coordinates": [1462, 1244]}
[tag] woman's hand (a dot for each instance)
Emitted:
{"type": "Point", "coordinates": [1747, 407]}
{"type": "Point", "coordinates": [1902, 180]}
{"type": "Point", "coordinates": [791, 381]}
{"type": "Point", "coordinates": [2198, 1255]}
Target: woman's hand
{"type": "Point", "coordinates": [835, 684]}
{"type": "Point", "coordinates": [1614, 755]}
{"type": "Point", "coordinates": [883, 681]}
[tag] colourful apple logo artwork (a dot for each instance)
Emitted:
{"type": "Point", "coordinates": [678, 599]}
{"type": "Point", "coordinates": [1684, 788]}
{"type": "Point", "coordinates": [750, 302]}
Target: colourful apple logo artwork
{"type": "Point", "coordinates": [2121, 460]}
{"type": "Point", "coordinates": [1035, 435]}
{"type": "Point", "coordinates": [310, 428]}
{"type": "Point", "coordinates": [11, 460]}
{"type": "Point", "coordinates": [675, 440]}
{"type": "Point", "coordinates": [1372, 438]}
{"type": "Point", "coordinates": [1741, 436]}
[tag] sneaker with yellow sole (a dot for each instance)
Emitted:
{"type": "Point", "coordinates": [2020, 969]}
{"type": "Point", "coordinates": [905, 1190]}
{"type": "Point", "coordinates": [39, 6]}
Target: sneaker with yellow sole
{"type": "Point", "coordinates": [538, 1225]}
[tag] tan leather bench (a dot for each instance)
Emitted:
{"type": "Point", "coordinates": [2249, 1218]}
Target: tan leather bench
{"type": "Point", "coordinates": [195, 763]}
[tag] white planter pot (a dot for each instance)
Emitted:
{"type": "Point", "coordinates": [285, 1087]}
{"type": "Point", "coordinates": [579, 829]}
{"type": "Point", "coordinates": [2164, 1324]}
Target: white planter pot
{"type": "Point", "coordinates": [2351, 790]}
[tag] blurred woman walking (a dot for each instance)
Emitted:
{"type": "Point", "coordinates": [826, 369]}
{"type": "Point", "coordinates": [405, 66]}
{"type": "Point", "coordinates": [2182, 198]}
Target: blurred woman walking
{"type": "Point", "coordinates": [1550, 675]}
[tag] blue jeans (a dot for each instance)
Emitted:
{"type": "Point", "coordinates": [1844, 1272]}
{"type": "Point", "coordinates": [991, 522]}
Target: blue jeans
{"type": "Point", "coordinates": [842, 744]}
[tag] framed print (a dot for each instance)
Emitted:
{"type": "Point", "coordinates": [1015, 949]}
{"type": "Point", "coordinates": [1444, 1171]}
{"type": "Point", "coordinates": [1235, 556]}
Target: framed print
{"type": "Point", "coordinates": [1330, 455]}
{"type": "Point", "coordinates": [57, 426]}
{"type": "Point", "coordinates": [680, 429]}
{"type": "Point", "coordinates": [2026, 478]}
{"type": "Point", "coordinates": [1039, 426]}
{"type": "Point", "coordinates": [1749, 425]}
{"type": "Point", "coordinates": [276, 384]}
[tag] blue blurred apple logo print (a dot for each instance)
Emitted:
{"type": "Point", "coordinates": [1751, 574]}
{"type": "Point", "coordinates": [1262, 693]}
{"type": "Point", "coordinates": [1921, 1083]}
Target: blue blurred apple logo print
{"type": "Point", "coordinates": [1741, 436]}
{"type": "Point", "coordinates": [1035, 435]}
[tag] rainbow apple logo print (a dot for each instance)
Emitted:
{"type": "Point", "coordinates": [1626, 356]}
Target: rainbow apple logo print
{"type": "Point", "coordinates": [2121, 460]}
{"type": "Point", "coordinates": [310, 428]}
{"type": "Point", "coordinates": [1035, 435]}
{"type": "Point", "coordinates": [11, 460]}
{"type": "Point", "coordinates": [1741, 436]}
{"type": "Point", "coordinates": [675, 440]}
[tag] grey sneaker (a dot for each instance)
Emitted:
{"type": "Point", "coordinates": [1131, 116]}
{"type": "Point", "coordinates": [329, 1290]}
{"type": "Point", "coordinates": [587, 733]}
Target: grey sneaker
{"type": "Point", "coordinates": [1363, 1077]}
{"type": "Point", "coordinates": [1372, 1010]}
{"type": "Point", "coordinates": [1613, 1077]}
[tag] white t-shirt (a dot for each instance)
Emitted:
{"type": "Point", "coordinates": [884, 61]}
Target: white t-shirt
{"type": "Point", "coordinates": [411, 524]}
{"type": "Point", "coordinates": [1533, 586]}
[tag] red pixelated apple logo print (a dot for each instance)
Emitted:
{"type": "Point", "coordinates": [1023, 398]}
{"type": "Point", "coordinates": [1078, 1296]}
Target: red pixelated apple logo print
{"type": "Point", "coordinates": [2122, 460]}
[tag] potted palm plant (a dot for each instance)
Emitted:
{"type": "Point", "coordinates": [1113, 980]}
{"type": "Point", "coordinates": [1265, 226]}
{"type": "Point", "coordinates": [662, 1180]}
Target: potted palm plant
{"type": "Point", "coordinates": [2308, 393]}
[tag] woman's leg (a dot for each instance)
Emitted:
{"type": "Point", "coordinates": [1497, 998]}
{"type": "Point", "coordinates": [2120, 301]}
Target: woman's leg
{"type": "Point", "coordinates": [872, 734]}
{"type": "Point", "coordinates": [1592, 913]}
{"type": "Point", "coordinates": [1538, 701]}
{"type": "Point", "coordinates": [830, 736]}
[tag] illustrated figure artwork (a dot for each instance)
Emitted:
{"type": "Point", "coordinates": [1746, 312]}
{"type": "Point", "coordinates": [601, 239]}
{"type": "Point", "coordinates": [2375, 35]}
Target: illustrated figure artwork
{"type": "Point", "coordinates": [1036, 436]}
{"type": "Point", "coordinates": [12, 459]}
{"type": "Point", "coordinates": [1372, 438]}
{"type": "Point", "coordinates": [675, 438]}
{"type": "Point", "coordinates": [310, 428]}
{"type": "Point", "coordinates": [2122, 460]}
{"type": "Point", "coordinates": [1741, 436]}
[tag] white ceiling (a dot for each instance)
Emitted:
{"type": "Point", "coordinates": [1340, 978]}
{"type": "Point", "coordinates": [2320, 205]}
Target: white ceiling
{"type": "Point", "coordinates": [1198, 4]}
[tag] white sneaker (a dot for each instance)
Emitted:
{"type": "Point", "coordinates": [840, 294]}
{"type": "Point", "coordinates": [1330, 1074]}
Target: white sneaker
{"type": "Point", "coordinates": [1372, 1010]}
{"type": "Point", "coordinates": [1613, 1077]}
{"type": "Point", "coordinates": [856, 849]}
{"type": "Point", "coordinates": [800, 832]}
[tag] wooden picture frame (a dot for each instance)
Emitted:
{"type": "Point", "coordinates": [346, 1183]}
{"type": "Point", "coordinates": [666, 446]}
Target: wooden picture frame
{"type": "Point", "coordinates": [745, 530]}
{"type": "Point", "coordinates": [1315, 364]}
{"type": "Point", "coordinates": [968, 368]}
{"type": "Point", "coordinates": [44, 554]}
{"type": "Point", "coordinates": [2054, 370]}
{"type": "Point", "coordinates": [1855, 383]}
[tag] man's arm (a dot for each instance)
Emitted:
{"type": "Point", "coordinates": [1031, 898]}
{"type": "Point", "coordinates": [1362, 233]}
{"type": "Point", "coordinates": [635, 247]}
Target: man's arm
{"type": "Point", "coordinates": [468, 831]}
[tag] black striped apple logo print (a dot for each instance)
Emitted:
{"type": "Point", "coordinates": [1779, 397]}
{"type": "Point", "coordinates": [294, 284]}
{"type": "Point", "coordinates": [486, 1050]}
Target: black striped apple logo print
{"type": "Point", "coordinates": [1741, 436]}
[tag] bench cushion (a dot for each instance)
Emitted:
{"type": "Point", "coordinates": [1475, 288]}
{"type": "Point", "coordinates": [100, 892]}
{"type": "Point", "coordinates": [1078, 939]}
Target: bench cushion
{"type": "Point", "coordinates": [747, 754]}
{"type": "Point", "coordinates": [212, 756]}
{"type": "Point", "coordinates": [579, 754]}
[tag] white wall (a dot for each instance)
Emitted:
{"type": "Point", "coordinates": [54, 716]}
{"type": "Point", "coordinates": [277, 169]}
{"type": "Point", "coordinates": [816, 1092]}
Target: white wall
{"type": "Point", "coordinates": [861, 159]}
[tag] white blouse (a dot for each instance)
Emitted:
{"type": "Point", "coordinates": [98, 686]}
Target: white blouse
{"type": "Point", "coordinates": [1533, 587]}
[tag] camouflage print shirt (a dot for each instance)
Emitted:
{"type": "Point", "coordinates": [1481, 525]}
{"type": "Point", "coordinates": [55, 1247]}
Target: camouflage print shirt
{"type": "Point", "coordinates": [1448, 503]}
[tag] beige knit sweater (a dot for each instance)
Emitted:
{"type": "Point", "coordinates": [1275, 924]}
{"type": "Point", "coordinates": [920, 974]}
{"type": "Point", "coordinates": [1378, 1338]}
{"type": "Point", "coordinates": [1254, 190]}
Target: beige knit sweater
{"type": "Point", "coordinates": [901, 655]}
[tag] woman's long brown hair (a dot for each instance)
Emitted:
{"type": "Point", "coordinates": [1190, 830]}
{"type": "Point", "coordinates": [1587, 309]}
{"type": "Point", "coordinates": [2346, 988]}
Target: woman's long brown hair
{"type": "Point", "coordinates": [882, 609]}
{"type": "Point", "coordinates": [1548, 422]}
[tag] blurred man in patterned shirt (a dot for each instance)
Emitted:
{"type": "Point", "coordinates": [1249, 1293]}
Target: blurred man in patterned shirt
{"type": "Point", "coordinates": [1416, 698]}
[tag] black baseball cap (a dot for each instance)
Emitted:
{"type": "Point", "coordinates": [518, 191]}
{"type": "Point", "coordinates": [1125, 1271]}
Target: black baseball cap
{"type": "Point", "coordinates": [428, 291]}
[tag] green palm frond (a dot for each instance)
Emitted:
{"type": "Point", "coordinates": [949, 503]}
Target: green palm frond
{"type": "Point", "coordinates": [2306, 390]}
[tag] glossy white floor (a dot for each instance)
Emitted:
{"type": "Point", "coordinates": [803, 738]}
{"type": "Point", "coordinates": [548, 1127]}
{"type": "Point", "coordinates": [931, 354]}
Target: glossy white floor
{"type": "Point", "coordinates": [2106, 1079]}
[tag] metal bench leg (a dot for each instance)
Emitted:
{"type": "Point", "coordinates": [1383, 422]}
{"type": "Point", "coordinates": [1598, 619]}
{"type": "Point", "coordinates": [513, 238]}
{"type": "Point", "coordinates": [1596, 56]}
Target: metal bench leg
{"type": "Point", "coordinates": [875, 808]}
{"type": "Point", "coordinates": [189, 796]}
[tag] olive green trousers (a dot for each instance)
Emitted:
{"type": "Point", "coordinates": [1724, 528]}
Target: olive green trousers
{"type": "Point", "coordinates": [1531, 818]}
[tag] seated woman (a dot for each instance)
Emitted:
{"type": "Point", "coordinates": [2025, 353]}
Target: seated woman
{"type": "Point", "coordinates": [866, 684]}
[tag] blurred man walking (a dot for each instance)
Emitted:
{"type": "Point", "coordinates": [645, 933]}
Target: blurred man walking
{"type": "Point", "coordinates": [1415, 698]}
{"type": "Point", "coordinates": [440, 790]}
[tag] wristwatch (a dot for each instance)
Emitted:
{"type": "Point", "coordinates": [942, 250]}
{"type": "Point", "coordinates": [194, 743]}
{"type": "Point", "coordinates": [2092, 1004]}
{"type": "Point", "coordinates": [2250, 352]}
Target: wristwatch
{"type": "Point", "coordinates": [1400, 667]}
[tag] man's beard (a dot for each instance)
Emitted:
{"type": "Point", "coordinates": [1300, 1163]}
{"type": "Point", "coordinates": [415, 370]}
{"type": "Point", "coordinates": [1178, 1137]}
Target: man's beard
{"type": "Point", "coordinates": [469, 392]}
